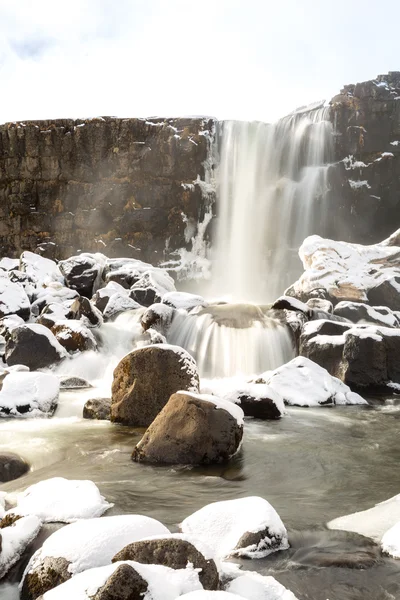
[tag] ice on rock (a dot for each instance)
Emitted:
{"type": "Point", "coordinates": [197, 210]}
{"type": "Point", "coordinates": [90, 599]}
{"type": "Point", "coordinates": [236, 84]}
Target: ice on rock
{"type": "Point", "coordinates": [391, 541]}
{"type": "Point", "coordinates": [93, 543]}
{"type": "Point", "coordinates": [301, 382]}
{"type": "Point", "coordinates": [183, 300]}
{"type": "Point", "coordinates": [26, 394]}
{"type": "Point", "coordinates": [254, 586]}
{"type": "Point", "coordinates": [15, 539]}
{"type": "Point", "coordinates": [231, 389]}
{"type": "Point", "coordinates": [163, 583]}
{"type": "Point", "coordinates": [228, 525]}
{"type": "Point", "coordinates": [61, 500]}
{"type": "Point", "coordinates": [373, 522]}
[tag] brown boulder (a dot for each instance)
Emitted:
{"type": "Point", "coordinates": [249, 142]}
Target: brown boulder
{"type": "Point", "coordinates": [74, 336]}
{"type": "Point", "coordinates": [47, 575]}
{"type": "Point", "coordinates": [97, 408]}
{"type": "Point", "coordinates": [174, 553]}
{"type": "Point", "coordinates": [192, 430]}
{"type": "Point", "coordinates": [145, 379]}
{"type": "Point", "coordinates": [124, 584]}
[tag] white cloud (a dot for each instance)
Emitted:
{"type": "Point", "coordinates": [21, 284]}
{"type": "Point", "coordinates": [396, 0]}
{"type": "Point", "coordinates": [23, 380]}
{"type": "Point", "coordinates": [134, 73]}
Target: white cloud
{"type": "Point", "coordinates": [246, 59]}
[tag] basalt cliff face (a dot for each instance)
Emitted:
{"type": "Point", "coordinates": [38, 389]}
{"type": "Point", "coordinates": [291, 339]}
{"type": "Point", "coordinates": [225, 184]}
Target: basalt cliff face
{"type": "Point", "coordinates": [140, 188]}
{"type": "Point", "coordinates": [365, 179]}
{"type": "Point", "coordinates": [125, 187]}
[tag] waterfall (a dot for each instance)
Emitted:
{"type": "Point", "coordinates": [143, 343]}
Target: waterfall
{"type": "Point", "coordinates": [273, 180]}
{"type": "Point", "coordinates": [232, 339]}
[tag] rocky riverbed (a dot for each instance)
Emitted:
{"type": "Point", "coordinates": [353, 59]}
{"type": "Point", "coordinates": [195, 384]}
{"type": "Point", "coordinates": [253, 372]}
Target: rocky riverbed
{"type": "Point", "coordinates": [180, 484]}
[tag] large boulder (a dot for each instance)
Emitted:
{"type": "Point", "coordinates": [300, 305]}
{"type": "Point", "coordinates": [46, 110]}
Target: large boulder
{"type": "Point", "coordinates": [192, 429]}
{"type": "Point", "coordinates": [339, 271]}
{"type": "Point", "coordinates": [158, 316]}
{"type": "Point", "coordinates": [83, 273]}
{"type": "Point", "coordinates": [145, 379]}
{"type": "Point", "coordinates": [12, 466]}
{"type": "Point", "coordinates": [174, 552]}
{"type": "Point", "coordinates": [34, 346]}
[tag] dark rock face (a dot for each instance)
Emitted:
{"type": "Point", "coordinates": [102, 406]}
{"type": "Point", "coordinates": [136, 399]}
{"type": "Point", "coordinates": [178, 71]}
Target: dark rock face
{"type": "Point", "coordinates": [97, 408]}
{"type": "Point", "coordinates": [50, 573]}
{"type": "Point", "coordinates": [364, 200]}
{"type": "Point", "coordinates": [145, 379]}
{"type": "Point", "coordinates": [122, 186]}
{"type": "Point", "coordinates": [259, 408]}
{"type": "Point", "coordinates": [12, 467]}
{"type": "Point", "coordinates": [189, 430]}
{"type": "Point", "coordinates": [81, 273]}
{"type": "Point", "coordinates": [31, 347]}
{"type": "Point", "coordinates": [82, 308]}
{"type": "Point", "coordinates": [174, 553]}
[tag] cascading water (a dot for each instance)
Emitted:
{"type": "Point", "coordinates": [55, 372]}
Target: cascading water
{"type": "Point", "coordinates": [230, 339]}
{"type": "Point", "coordinates": [272, 186]}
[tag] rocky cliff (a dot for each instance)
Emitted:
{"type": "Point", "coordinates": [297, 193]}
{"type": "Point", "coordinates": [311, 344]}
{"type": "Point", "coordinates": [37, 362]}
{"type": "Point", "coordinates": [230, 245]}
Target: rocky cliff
{"type": "Point", "coordinates": [126, 187]}
{"type": "Point", "coordinates": [365, 181]}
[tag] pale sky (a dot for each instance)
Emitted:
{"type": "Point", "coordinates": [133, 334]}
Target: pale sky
{"type": "Point", "coordinates": [232, 59]}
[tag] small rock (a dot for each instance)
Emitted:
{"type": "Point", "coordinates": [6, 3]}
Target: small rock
{"type": "Point", "coordinates": [97, 408]}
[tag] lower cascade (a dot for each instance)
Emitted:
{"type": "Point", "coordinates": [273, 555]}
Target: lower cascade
{"type": "Point", "coordinates": [232, 339]}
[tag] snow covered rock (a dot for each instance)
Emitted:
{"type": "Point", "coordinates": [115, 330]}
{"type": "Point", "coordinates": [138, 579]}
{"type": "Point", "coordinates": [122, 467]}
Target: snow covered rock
{"type": "Point", "coordinates": [119, 302]}
{"type": "Point", "coordinates": [342, 271]}
{"type": "Point", "coordinates": [361, 356]}
{"type": "Point", "coordinates": [13, 300]}
{"type": "Point", "coordinates": [183, 300]}
{"type": "Point", "coordinates": [391, 541]}
{"type": "Point", "coordinates": [83, 545]}
{"type": "Point", "coordinates": [102, 295]}
{"type": "Point", "coordinates": [83, 310]}
{"type": "Point", "coordinates": [357, 312]}
{"type": "Point", "coordinates": [12, 466]}
{"type": "Point", "coordinates": [54, 312]}
{"type": "Point", "coordinates": [26, 394]}
{"type": "Point", "coordinates": [14, 539]}
{"type": "Point", "coordinates": [144, 296]}
{"type": "Point", "coordinates": [174, 552]}
{"type": "Point", "coordinates": [254, 586]}
{"type": "Point", "coordinates": [54, 293]}
{"type": "Point", "coordinates": [128, 581]}
{"type": "Point", "coordinates": [145, 379]}
{"type": "Point", "coordinates": [255, 399]}
{"type": "Point", "coordinates": [301, 382]}
{"type": "Point", "coordinates": [158, 316]}
{"type": "Point", "coordinates": [192, 429]}
{"type": "Point", "coordinates": [43, 269]}
{"type": "Point", "coordinates": [320, 304]}
{"type": "Point", "coordinates": [34, 346]}
{"type": "Point", "coordinates": [83, 272]}
{"type": "Point", "coordinates": [248, 527]}
{"type": "Point", "coordinates": [97, 408]}
{"type": "Point", "coordinates": [61, 500]}
{"type": "Point", "coordinates": [373, 522]}
{"type": "Point", "coordinates": [74, 336]}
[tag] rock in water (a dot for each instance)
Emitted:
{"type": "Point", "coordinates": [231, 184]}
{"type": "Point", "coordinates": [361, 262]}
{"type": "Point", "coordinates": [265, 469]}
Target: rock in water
{"type": "Point", "coordinates": [192, 429]}
{"type": "Point", "coordinates": [97, 408]}
{"type": "Point", "coordinates": [146, 378]}
{"type": "Point", "coordinates": [12, 467]}
{"type": "Point", "coordinates": [247, 527]}
{"type": "Point", "coordinates": [74, 336]}
{"type": "Point", "coordinates": [173, 552]}
{"type": "Point", "coordinates": [34, 346]}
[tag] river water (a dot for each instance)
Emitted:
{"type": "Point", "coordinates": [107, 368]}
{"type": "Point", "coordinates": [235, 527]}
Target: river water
{"type": "Point", "coordinates": [313, 465]}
